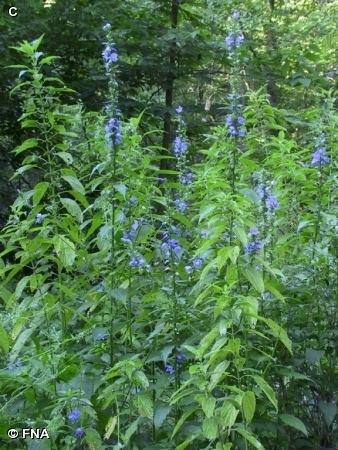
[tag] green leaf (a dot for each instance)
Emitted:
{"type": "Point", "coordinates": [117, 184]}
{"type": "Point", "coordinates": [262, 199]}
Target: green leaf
{"type": "Point", "coordinates": [181, 420]}
{"type": "Point", "coordinates": [293, 422]}
{"type": "Point", "coordinates": [73, 208]}
{"type": "Point", "coordinates": [75, 183]}
{"type": "Point", "coordinates": [131, 430]}
{"type": "Point", "coordinates": [248, 405]}
{"type": "Point", "coordinates": [229, 414]}
{"type": "Point", "coordinates": [65, 250]}
{"type": "Point", "coordinates": [93, 439]}
{"type": "Point", "coordinates": [4, 340]}
{"type": "Point", "coordinates": [210, 428]}
{"type": "Point", "coordinates": [66, 157]}
{"type": "Point", "coordinates": [39, 191]}
{"type": "Point", "coordinates": [250, 438]}
{"type": "Point", "coordinates": [279, 332]}
{"type": "Point", "coordinates": [27, 144]}
{"type": "Point", "coordinates": [267, 389]}
{"type": "Point", "coordinates": [144, 405]}
{"type": "Point", "coordinates": [110, 427]}
{"type": "Point", "coordinates": [208, 405]}
{"type": "Point", "coordinates": [255, 277]}
{"type": "Point", "coordinates": [160, 415]}
{"type": "Point", "coordinates": [329, 411]}
{"type": "Point", "coordinates": [313, 356]}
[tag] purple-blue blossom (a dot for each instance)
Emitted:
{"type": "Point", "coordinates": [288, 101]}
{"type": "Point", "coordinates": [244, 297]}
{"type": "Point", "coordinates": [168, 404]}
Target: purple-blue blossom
{"type": "Point", "coordinates": [189, 269]}
{"type": "Point", "coordinates": [180, 147]}
{"type": "Point", "coordinates": [253, 247]}
{"type": "Point", "coordinates": [39, 218]}
{"type": "Point", "coordinates": [254, 231]}
{"type": "Point", "coordinates": [271, 202]}
{"type": "Point", "coordinates": [74, 415]}
{"type": "Point", "coordinates": [169, 369]}
{"type": "Point", "coordinates": [319, 157]}
{"type": "Point", "coordinates": [235, 15]}
{"type": "Point", "coordinates": [181, 358]}
{"type": "Point", "coordinates": [137, 261]}
{"type": "Point", "coordinates": [197, 263]}
{"type": "Point", "coordinates": [79, 432]}
{"type": "Point", "coordinates": [235, 125]}
{"type": "Point", "coordinates": [179, 109]}
{"type": "Point", "coordinates": [106, 27]}
{"type": "Point", "coordinates": [234, 40]}
{"type": "Point", "coordinates": [113, 131]}
{"type": "Point", "coordinates": [181, 205]}
{"type": "Point", "coordinates": [109, 55]}
{"type": "Point", "coordinates": [186, 178]}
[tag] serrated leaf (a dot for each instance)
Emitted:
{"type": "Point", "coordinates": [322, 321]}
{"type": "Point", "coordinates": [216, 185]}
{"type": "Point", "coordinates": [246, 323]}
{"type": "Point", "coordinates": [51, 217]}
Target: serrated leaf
{"type": "Point", "coordinates": [250, 438]}
{"type": "Point", "coordinates": [208, 405]}
{"type": "Point", "coordinates": [93, 439]}
{"type": "Point", "coordinates": [255, 277]}
{"type": "Point", "coordinates": [181, 421]}
{"type": "Point", "coordinates": [39, 191]}
{"type": "Point", "coordinates": [65, 250]}
{"type": "Point", "coordinates": [329, 411]}
{"type": "Point", "coordinates": [293, 422]}
{"type": "Point", "coordinates": [267, 389]}
{"type": "Point", "coordinates": [144, 405]}
{"type": "Point", "coordinates": [75, 183]}
{"type": "Point", "coordinates": [131, 430]}
{"type": "Point", "coordinates": [248, 405]}
{"type": "Point", "coordinates": [209, 428]}
{"type": "Point", "coordinates": [26, 145]}
{"type": "Point", "coordinates": [279, 332]}
{"type": "Point", "coordinates": [229, 414]}
{"type": "Point", "coordinates": [160, 415]}
{"type": "Point", "coordinates": [66, 157]}
{"type": "Point", "coordinates": [73, 208]}
{"type": "Point", "coordinates": [110, 427]}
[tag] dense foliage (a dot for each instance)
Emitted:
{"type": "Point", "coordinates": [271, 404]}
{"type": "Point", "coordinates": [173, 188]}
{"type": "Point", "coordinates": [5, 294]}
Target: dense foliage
{"type": "Point", "coordinates": [169, 261]}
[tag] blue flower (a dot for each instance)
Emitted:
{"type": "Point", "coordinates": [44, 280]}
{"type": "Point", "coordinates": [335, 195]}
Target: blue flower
{"type": "Point", "coordinates": [133, 200]}
{"type": "Point", "coordinates": [106, 27]}
{"type": "Point", "coordinates": [113, 131]}
{"type": "Point", "coordinates": [181, 358]}
{"type": "Point", "coordinates": [197, 263]}
{"type": "Point", "coordinates": [109, 55]}
{"type": "Point", "coordinates": [235, 125]}
{"type": "Point", "coordinates": [235, 15]}
{"type": "Point", "coordinates": [254, 231]}
{"type": "Point", "coordinates": [186, 178]}
{"type": "Point", "coordinates": [319, 157]}
{"type": "Point", "coordinates": [271, 203]}
{"type": "Point", "coordinates": [180, 147]}
{"type": "Point", "coordinates": [240, 120]}
{"type": "Point", "coordinates": [189, 269]}
{"type": "Point", "coordinates": [101, 336]}
{"type": "Point", "coordinates": [169, 369]}
{"type": "Point", "coordinates": [39, 218]}
{"type": "Point", "coordinates": [74, 415]}
{"type": "Point", "coordinates": [79, 432]}
{"type": "Point", "coordinates": [181, 205]}
{"type": "Point", "coordinates": [261, 191]}
{"type": "Point", "coordinates": [179, 109]}
{"type": "Point", "coordinates": [253, 247]}
{"type": "Point", "coordinates": [137, 261]}
{"type": "Point", "coordinates": [234, 40]}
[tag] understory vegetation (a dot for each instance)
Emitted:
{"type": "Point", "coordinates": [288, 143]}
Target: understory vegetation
{"type": "Point", "coordinates": [169, 275]}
